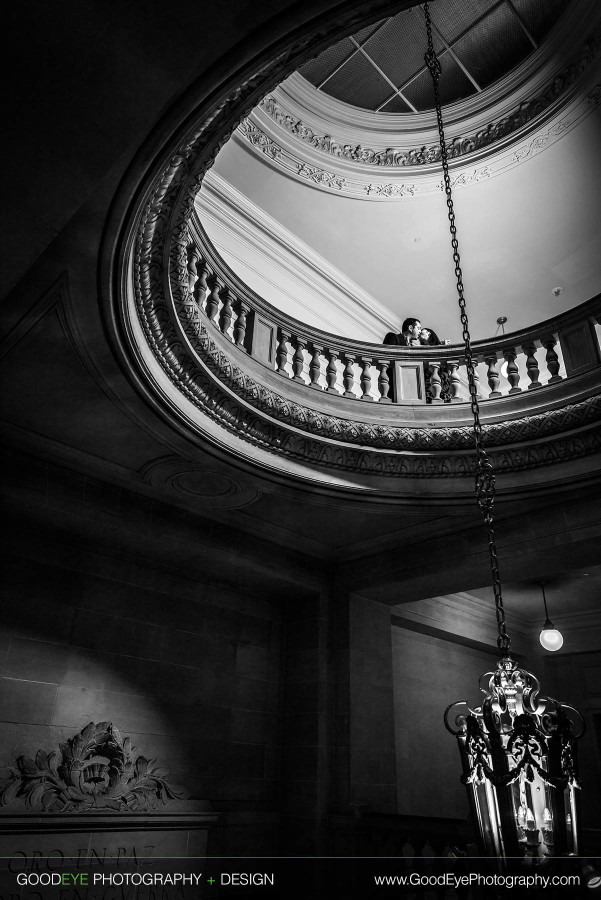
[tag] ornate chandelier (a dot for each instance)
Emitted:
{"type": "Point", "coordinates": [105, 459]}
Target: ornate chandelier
{"type": "Point", "coordinates": [517, 749]}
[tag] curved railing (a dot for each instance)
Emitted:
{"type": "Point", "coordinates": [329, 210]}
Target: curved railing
{"type": "Point", "coordinates": [559, 348]}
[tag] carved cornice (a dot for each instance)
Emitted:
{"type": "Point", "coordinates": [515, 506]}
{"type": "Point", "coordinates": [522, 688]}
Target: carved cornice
{"type": "Point", "coordinates": [395, 157]}
{"type": "Point", "coordinates": [220, 390]}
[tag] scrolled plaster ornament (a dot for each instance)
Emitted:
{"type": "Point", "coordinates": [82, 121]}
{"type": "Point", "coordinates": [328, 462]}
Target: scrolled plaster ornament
{"type": "Point", "coordinates": [391, 190]}
{"type": "Point", "coordinates": [541, 140]}
{"type": "Point", "coordinates": [320, 177]}
{"type": "Point", "coordinates": [468, 178]}
{"type": "Point", "coordinates": [258, 139]}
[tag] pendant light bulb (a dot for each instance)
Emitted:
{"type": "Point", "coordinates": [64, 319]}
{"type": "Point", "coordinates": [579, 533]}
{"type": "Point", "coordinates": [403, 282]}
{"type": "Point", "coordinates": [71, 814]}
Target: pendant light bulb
{"type": "Point", "coordinates": [550, 637]}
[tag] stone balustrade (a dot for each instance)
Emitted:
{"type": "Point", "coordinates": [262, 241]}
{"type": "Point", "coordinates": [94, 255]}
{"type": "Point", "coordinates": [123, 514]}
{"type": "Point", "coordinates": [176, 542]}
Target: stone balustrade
{"type": "Point", "coordinates": [528, 360]}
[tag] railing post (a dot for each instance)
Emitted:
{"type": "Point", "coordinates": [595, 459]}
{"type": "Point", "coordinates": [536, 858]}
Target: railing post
{"type": "Point", "coordinates": [513, 373]}
{"type": "Point", "coordinates": [213, 301]}
{"type": "Point", "coordinates": [240, 324]}
{"type": "Point", "coordinates": [281, 353]}
{"type": "Point", "coordinates": [493, 377]}
{"type": "Point", "coordinates": [476, 381]}
{"type": "Point", "coordinates": [298, 360]}
{"type": "Point", "coordinates": [435, 381]}
{"type": "Point", "coordinates": [348, 378]}
{"type": "Point", "coordinates": [454, 380]}
{"type": "Point", "coordinates": [202, 288]}
{"type": "Point", "coordinates": [532, 365]}
{"type": "Point", "coordinates": [331, 371]}
{"type": "Point", "coordinates": [552, 359]}
{"type": "Point", "coordinates": [315, 366]}
{"type": "Point", "coordinates": [226, 312]}
{"type": "Point", "coordinates": [383, 380]}
{"type": "Point", "coordinates": [193, 258]}
{"type": "Point", "coordinates": [366, 378]}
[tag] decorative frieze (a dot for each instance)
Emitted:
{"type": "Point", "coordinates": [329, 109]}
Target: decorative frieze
{"type": "Point", "coordinates": [398, 157]}
{"type": "Point", "coordinates": [361, 184]}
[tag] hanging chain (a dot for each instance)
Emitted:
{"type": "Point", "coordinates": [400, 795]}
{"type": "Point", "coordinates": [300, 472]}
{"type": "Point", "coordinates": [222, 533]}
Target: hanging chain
{"type": "Point", "coordinates": [485, 476]}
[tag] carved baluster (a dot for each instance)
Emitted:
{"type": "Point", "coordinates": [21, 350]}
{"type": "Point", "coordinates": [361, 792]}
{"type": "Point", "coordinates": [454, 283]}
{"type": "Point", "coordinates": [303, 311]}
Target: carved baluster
{"type": "Point", "coordinates": [315, 366]}
{"type": "Point", "coordinates": [477, 381]}
{"type": "Point", "coordinates": [226, 312]}
{"type": "Point", "coordinates": [281, 353]}
{"type": "Point", "coordinates": [454, 379]}
{"type": "Point", "coordinates": [213, 301]}
{"type": "Point", "coordinates": [532, 365]}
{"type": "Point", "coordinates": [435, 382]}
{"type": "Point", "coordinates": [366, 378]}
{"type": "Point", "coordinates": [493, 377]}
{"type": "Point", "coordinates": [513, 373]}
{"type": "Point", "coordinates": [332, 372]}
{"type": "Point", "coordinates": [552, 359]}
{"type": "Point", "coordinates": [202, 288]}
{"type": "Point", "coordinates": [240, 324]}
{"type": "Point", "coordinates": [348, 376]}
{"type": "Point", "coordinates": [383, 380]}
{"type": "Point", "coordinates": [298, 360]}
{"type": "Point", "coordinates": [193, 257]}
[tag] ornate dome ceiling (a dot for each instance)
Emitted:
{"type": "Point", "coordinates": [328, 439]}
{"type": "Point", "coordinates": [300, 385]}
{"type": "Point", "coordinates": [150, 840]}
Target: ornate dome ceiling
{"type": "Point", "coordinates": [381, 68]}
{"type": "Point", "coordinates": [357, 119]}
{"type": "Point", "coordinates": [314, 197]}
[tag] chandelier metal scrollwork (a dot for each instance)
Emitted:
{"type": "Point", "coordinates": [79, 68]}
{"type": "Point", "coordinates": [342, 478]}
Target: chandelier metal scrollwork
{"type": "Point", "coordinates": [519, 763]}
{"type": "Point", "coordinates": [518, 749]}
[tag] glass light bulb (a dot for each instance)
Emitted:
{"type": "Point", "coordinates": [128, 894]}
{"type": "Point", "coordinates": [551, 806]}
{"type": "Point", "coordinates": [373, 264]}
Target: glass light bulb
{"type": "Point", "coordinates": [551, 639]}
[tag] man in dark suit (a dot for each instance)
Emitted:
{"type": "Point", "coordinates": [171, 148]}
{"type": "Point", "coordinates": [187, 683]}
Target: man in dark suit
{"type": "Point", "coordinates": [409, 336]}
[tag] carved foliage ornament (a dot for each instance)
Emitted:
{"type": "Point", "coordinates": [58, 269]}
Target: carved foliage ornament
{"type": "Point", "coordinates": [96, 769]}
{"type": "Point", "coordinates": [392, 157]}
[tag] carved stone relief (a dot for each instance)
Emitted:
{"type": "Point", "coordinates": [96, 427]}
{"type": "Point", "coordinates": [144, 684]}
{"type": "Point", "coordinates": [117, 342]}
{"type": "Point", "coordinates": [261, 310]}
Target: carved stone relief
{"type": "Point", "coordinates": [96, 769]}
